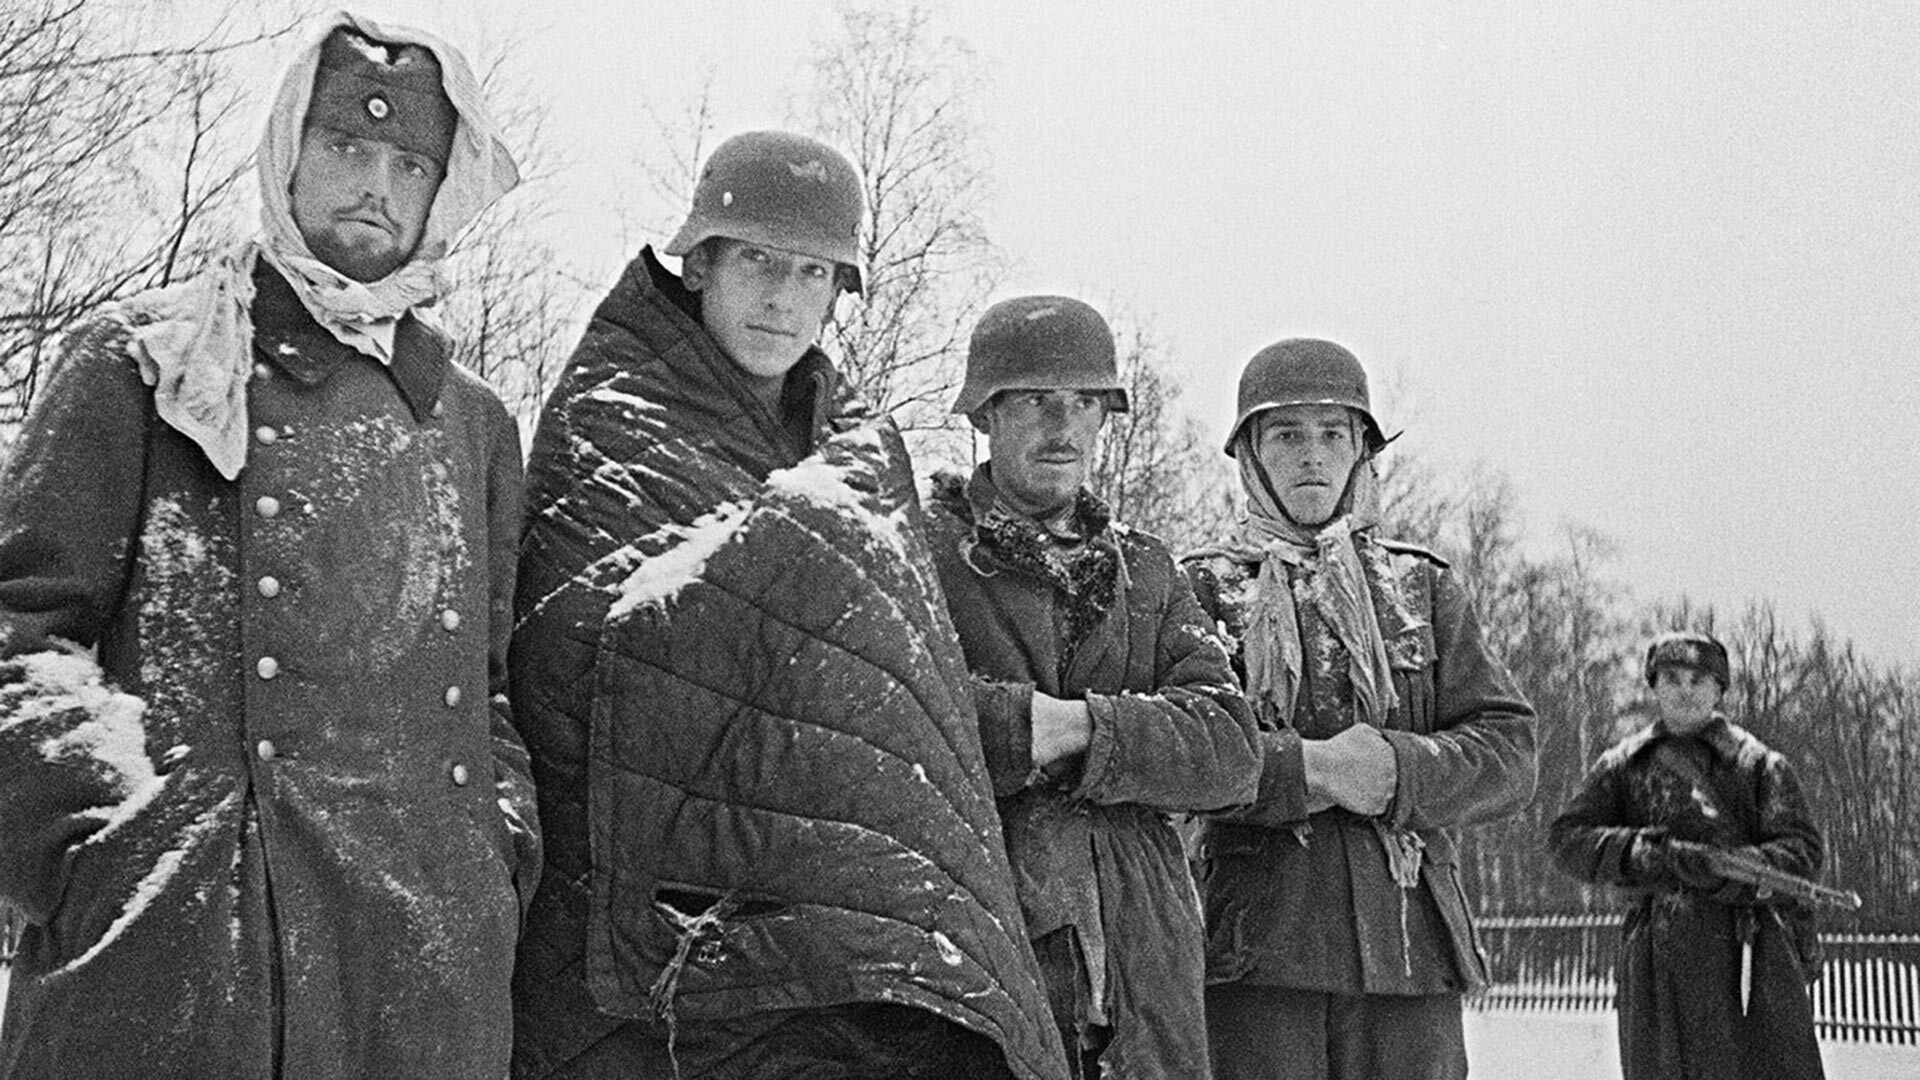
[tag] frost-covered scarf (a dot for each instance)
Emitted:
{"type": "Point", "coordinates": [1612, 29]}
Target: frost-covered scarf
{"type": "Point", "coordinates": [1086, 570]}
{"type": "Point", "coordinates": [1271, 647]}
{"type": "Point", "coordinates": [194, 340]}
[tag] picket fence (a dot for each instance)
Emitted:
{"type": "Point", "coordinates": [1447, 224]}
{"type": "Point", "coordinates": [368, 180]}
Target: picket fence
{"type": "Point", "coordinates": [1869, 990]}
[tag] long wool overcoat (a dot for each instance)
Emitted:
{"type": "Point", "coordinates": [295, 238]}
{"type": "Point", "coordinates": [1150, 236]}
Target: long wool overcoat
{"type": "Point", "coordinates": [1306, 900]}
{"type": "Point", "coordinates": [1681, 1015]}
{"type": "Point", "coordinates": [1094, 851]}
{"type": "Point", "coordinates": [301, 868]}
{"type": "Point", "coordinates": [756, 754]}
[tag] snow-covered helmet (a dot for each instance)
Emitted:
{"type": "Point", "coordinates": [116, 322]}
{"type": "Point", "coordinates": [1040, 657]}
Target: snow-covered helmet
{"type": "Point", "coordinates": [781, 190]}
{"type": "Point", "coordinates": [1040, 343]}
{"type": "Point", "coordinates": [1304, 371]}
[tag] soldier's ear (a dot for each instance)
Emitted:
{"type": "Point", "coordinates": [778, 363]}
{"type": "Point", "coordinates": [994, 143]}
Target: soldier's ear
{"type": "Point", "coordinates": [695, 266]}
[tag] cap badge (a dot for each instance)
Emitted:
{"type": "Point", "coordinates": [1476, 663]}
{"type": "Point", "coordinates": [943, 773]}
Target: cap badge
{"type": "Point", "coordinates": [811, 170]}
{"type": "Point", "coordinates": [378, 108]}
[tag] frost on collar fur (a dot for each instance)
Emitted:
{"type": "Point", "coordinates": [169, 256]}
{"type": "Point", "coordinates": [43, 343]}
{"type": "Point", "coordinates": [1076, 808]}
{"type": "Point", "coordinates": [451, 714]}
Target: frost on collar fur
{"type": "Point", "coordinates": [194, 340]}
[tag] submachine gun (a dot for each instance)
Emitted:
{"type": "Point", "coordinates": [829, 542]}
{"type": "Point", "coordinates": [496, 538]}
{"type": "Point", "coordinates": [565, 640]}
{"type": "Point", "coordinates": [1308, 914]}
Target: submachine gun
{"type": "Point", "coordinates": [1750, 869]}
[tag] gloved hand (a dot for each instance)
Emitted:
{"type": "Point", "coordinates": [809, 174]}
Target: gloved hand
{"type": "Point", "coordinates": [1688, 863]}
{"type": "Point", "coordinates": [1658, 859]}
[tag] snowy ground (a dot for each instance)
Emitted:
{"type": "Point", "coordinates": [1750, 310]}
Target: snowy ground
{"type": "Point", "coordinates": [1503, 1045]}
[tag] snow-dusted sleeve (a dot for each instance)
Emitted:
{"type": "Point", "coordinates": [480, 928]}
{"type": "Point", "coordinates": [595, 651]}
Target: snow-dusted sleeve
{"type": "Point", "coordinates": [1188, 744]}
{"type": "Point", "coordinates": [72, 757]}
{"type": "Point", "coordinates": [70, 496]}
{"type": "Point", "coordinates": [1005, 710]}
{"type": "Point", "coordinates": [512, 771]}
{"type": "Point", "coordinates": [1590, 837]}
{"type": "Point", "coordinates": [1478, 761]}
{"type": "Point", "coordinates": [73, 764]}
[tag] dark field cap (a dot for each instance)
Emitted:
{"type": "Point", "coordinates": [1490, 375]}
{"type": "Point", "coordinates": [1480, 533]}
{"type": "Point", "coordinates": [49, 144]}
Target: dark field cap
{"type": "Point", "coordinates": [389, 91]}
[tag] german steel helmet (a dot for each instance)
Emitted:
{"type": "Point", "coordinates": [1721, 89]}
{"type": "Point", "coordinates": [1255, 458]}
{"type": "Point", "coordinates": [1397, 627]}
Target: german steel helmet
{"type": "Point", "coordinates": [780, 190]}
{"type": "Point", "coordinates": [1040, 343]}
{"type": "Point", "coordinates": [1304, 371]}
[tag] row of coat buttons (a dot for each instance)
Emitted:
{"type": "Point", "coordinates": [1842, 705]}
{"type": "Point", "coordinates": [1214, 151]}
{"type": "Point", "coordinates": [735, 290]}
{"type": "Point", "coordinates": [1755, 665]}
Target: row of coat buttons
{"type": "Point", "coordinates": [457, 772]}
{"type": "Point", "coordinates": [269, 586]}
{"type": "Point", "coordinates": [268, 667]}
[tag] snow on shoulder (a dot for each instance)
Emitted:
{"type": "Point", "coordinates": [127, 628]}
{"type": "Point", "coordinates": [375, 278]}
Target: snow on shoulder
{"type": "Point", "coordinates": [839, 478]}
{"type": "Point", "coordinates": [831, 480]}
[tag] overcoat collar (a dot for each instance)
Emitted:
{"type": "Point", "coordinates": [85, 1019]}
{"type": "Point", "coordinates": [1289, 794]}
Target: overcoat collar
{"type": "Point", "coordinates": [287, 336]}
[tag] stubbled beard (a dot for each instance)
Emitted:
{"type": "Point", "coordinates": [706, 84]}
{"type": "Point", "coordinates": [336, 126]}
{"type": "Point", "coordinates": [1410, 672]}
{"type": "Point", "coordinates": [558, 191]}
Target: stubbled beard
{"type": "Point", "coordinates": [363, 262]}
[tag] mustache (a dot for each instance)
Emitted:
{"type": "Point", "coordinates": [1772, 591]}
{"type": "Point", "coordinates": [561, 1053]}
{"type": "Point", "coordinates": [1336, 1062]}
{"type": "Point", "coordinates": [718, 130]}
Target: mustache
{"type": "Point", "coordinates": [368, 207]}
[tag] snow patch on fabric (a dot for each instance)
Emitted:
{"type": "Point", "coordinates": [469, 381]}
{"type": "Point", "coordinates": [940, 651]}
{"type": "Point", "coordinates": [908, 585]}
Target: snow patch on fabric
{"type": "Point", "coordinates": [660, 578]}
{"type": "Point", "coordinates": [182, 570]}
{"type": "Point", "coordinates": [606, 393]}
{"type": "Point", "coordinates": [165, 868]}
{"type": "Point", "coordinates": [113, 737]}
{"type": "Point", "coordinates": [825, 484]}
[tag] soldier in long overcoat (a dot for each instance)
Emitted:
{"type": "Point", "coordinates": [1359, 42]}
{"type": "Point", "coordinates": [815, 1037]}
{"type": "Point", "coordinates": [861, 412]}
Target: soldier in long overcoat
{"type": "Point", "coordinates": [1712, 973]}
{"type": "Point", "coordinates": [261, 803]}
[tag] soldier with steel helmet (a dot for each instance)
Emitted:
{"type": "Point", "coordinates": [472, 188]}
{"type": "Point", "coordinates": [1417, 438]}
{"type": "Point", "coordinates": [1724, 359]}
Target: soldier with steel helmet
{"type": "Point", "coordinates": [773, 850]}
{"type": "Point", "coordinates": [1339, 941]}
{"type": "Point", "coordinates": [1105, 703]}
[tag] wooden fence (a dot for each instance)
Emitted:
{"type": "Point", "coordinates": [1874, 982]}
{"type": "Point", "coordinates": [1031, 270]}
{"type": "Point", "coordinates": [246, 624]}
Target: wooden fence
{"type": "Point", "coordinates": [1869, 990]}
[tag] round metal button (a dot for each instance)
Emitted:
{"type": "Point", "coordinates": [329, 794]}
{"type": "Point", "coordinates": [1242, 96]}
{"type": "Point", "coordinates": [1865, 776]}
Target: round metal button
{"type": "Point", "coordinates": [453, 696]}
{"type": "Point", "coordinates": [268, 667]}
{"type": "Point", "coordinates": [450, 620]}
{"type": "Point", "coordinates": [267, 506]}
{"type": "Point", "coordinates": [262, 371]}
{"type": "Point", "coordinates": [265, 434]}
{"type": "Point", "coordinates": [459, 774]}
{"type": "Point", "coordinates": [265, 750]}
{"type": "Point", "coordinates": [269, 586]}
{"type": "Point", "coordinates": [439, 409]}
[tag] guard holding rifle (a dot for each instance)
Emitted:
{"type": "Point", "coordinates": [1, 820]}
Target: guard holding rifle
{"type": "Point", "coordinates": [1708, 825]}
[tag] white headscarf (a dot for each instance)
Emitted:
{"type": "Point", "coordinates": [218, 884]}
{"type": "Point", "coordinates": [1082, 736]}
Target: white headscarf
{"type": "Point", "coordinates": [194, 340]}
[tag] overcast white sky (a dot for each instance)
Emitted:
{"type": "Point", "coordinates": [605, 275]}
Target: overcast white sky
{"type": "Point", "coordinates": [1655, 261]}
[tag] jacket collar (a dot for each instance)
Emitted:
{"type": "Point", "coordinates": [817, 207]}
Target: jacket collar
{"type": "Point", "coordinates": [1088, 519]}
{"type": "Point", "coordinates": [814, 387]}
{"type": "Point", "coordinates": [286, 335]}
{"type": "Point", "coordinates": [1719, 735]}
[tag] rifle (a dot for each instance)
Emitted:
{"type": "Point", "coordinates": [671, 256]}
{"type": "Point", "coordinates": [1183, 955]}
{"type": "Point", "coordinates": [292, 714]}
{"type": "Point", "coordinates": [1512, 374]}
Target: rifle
{"type": "Point", "coordinates": [1753, 870]}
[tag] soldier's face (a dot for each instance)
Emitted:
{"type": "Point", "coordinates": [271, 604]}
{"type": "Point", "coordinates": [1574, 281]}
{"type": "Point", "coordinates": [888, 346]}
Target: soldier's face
{"type": "Point", "coordinates": [1041, 442]}
{"type": "Point", "coordinates": [1686, 697]}
{"type": "Point", "coordinates": [763, 305]}
{"type": "Point", "coordinates": [1308, 452]}
{"type": "Point", "coordinates": [361, 204]}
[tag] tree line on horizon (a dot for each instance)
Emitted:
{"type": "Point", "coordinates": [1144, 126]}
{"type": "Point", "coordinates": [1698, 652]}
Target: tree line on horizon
{"type": "Point", "coordinates": [136, 179]}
